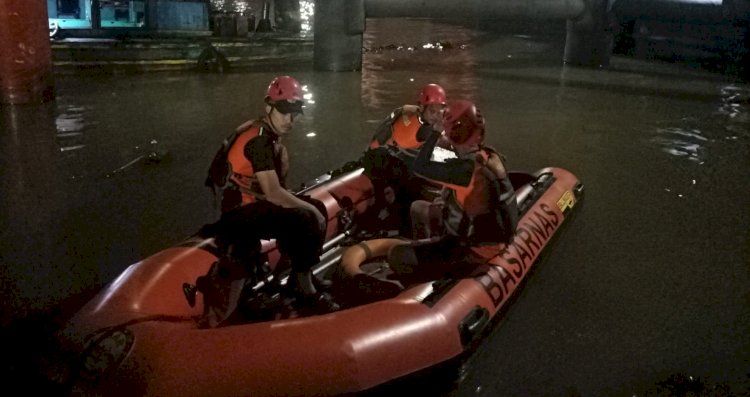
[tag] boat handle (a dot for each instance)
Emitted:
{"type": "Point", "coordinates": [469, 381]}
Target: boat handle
{"type": "Point", "coordinates": [473, 324]}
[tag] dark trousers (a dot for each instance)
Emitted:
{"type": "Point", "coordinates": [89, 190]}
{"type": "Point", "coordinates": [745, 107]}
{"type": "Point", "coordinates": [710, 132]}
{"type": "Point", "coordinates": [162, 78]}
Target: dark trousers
{"type": "Point", "coordinates": [296, 230]}
{"type": "Point", "coordinates": [237, 235]}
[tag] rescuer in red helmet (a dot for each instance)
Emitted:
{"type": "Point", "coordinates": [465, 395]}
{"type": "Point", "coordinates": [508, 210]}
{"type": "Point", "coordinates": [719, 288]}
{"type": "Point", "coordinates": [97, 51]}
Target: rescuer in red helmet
{"type": "Point", "coordinates": [390, 155]}
{"type": "Point", "coordinates": [248, 174]}
{"type": "Point", "coordinates": [477, 203]}
{"type": "Point", "coordinates": [408, 126]}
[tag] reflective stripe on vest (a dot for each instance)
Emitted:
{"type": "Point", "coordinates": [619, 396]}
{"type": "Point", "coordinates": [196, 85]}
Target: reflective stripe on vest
{"type": "Point", "coordinates": [243, 174]}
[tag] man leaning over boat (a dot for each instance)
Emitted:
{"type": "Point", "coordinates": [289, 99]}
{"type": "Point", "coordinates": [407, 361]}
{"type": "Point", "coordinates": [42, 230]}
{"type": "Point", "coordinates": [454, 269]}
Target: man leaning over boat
{"type": "Point", "coordinates": [391, 153]}
{"type": "Point", "coordinates": [476, 206]}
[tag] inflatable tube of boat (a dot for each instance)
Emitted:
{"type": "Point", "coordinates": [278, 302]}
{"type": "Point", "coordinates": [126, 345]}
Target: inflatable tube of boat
{"type": "Point", "coordinates": [354, 256]}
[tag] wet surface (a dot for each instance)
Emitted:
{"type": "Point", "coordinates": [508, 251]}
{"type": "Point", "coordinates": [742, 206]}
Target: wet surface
{"type": "Point", "coordinates": [649, 285]}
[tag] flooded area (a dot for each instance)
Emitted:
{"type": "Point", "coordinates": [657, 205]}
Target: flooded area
{"type": "Point", "coordinates": [651, 279]}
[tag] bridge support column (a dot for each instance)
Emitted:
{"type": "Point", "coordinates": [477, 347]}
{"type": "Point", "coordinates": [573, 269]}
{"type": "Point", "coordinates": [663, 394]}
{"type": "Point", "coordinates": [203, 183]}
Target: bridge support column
{"type": "Point", "coordinates": [339, 26]}
{"type": "Point", "coordinates": [590, 39]}
{"type": "Point", "coordinates": [26, 63]}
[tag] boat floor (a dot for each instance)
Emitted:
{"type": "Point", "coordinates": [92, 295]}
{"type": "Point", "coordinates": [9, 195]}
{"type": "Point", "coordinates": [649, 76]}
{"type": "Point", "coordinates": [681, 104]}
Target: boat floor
{"type": "Point", "coordinates": [377, 282]}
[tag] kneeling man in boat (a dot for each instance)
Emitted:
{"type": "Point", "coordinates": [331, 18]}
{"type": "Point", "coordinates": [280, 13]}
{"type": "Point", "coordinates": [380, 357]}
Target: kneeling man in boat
{"type": "Point", "coordinates": [391, 152]}
{"type": "Point", "coordinates": [408, 126]}
{"type": "Point", "coordinates": [248, 175]}
{"type": "Point", "coordinates": [476, 206]}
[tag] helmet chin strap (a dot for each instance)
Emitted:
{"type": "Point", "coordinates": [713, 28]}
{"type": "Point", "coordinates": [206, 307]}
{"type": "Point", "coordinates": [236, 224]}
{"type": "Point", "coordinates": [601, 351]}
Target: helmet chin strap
{"type": "Point", "coordinates": [270, 119]}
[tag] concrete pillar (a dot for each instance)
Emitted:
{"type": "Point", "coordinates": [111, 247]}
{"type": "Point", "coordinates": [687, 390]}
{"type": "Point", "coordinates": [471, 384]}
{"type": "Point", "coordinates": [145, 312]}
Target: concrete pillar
{"type": "Point", "coordinates": [590, 38]}
{"type": "Point", "coordinates": [265, 20]}
{"type": "Point", "coordinates": [287, 16]}
{"type": "Point", "coordinates": [96, 15]}
{"type": "Point", "coordinates": [152, 15]}
{"type": "Point", "coordinates": [339, 26]}
{"type": "Point", "coordinates": [26, 63]}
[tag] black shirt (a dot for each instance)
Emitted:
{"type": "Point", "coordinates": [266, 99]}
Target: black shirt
{"type": "Point", "coordinates": [261, 152]}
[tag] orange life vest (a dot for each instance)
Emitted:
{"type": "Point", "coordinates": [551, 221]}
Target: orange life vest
{"type": "Point", "coordinates": [486, 197]}
{"type": "Point", "coordinates": [405, 130]}
{"type": "Point", "coordinates": [474, 198]}
{"type": "Point", "coordinates": [400, 130]}
{"type": "Point", "coordinates": [242, 173]}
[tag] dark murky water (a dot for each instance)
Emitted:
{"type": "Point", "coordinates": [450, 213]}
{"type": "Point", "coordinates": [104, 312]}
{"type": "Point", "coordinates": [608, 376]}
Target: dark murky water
{"type": "Point", "coordinates": [651, 279]}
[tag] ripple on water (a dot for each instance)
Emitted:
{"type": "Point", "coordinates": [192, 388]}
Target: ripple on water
{"type": "Point", "coordinates": [680, 142]}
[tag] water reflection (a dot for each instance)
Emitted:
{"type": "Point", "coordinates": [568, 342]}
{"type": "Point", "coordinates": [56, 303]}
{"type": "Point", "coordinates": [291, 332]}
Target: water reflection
{"type": "Point", "coordinates": [308, 95]}
{"type": "Point", "coordinates": [443, 58]}
{"type": "Point", "coordinates": [35, 199]}
{"type": "Point", "coordinates": [70, 126]}
{"type": "Point", "coordinates": [307, 11]}
{"type": "Point", "coordinates": [732, 102]}
{"type": "Point", "coordinates": [735, 107]}
{"type": "Point", "coordinates": [694, 138]}
{"type": "Point", "coordinates": [70, 122]}
{"type": "Point", "coordinates": [681, 143]}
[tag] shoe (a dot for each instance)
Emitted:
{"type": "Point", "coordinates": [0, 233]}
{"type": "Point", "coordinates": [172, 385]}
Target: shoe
{"type": "Point", "coordinates": [301, 288]}
{"type": "Point", "coordinates": [325, 304]}
{"type": "Point", "coordinates": [320, 303]}
{"type": "Point", "coordinates": [190, 292]}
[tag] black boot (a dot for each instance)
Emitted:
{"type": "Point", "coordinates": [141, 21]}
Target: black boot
{"type": "Point", "coordinates": [302, 288]}
{"type": "Point", "coordinates": [323, 303]}
{"type": "Point", "coordinates": [190, 292]}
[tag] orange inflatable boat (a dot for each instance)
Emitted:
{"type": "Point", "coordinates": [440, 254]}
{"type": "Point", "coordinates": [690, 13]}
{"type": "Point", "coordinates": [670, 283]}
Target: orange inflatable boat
{"type": "Point", "coordinates": [139, 336]}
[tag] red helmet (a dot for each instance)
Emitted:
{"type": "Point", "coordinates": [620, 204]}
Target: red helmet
{"type": "Point", "coordinates": [432, 94]}
{"type": "Point", "coordinates": [284, 88]}
{"type": "Point", "coordinates": [464, 123]}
